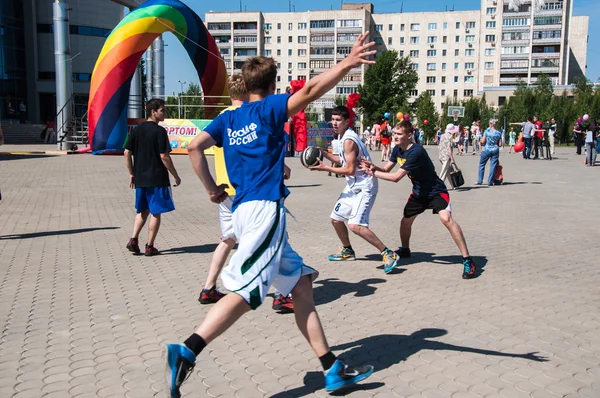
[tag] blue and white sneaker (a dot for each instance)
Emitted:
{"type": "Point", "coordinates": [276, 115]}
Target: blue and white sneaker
{"type": "Point", "coordinates": [390, 261]}
{"type": "Point", "coordinates": [180, 362]}
{"type": "Point", "coordinates": [341, 375]}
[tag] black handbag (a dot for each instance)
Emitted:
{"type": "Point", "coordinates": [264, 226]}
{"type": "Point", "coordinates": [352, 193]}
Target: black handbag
{"type": "Point", "coordinates": [456, 176]}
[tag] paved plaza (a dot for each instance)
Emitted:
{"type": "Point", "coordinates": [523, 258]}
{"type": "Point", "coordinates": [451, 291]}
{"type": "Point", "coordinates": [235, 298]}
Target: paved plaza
{"type": "Point", "coordinates": [80, 316]}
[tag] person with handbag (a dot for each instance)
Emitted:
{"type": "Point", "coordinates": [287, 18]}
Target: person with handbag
{"type": "Point", "coordinates": [446, 155]}
{"type": "Point", "coordinates": [491, 142]}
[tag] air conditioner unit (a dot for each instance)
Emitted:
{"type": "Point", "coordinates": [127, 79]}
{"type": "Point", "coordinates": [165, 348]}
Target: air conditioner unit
{"type": "Point", "coordinates": [493, 16]}
{"type": "Point", "coordinates": [266, 31]}
{"type": "Point", "coordinates": [431, 45]}
{"type": "Point", "coordinates": [467, 31]}
{"type": "Point", "coordinates": [495, 2]}
{"type": "Point", "coordinates": [470, 44]}
{"type": "Point", "coordinates": [493, 44]}
{"type": "Point", "coordinates": [469, 72]}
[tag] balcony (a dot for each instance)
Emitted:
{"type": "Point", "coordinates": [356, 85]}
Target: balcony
{"type": "Point", "coordinates": [545, 69]}
{"type": "Point", "coordinates": [321, 43]}
{"type": "Point", "coordinates": [545, 55]}
{"type": "Point", "coordinates": [242, 58]}
{"type": "Point", "coordinates": [524, 42]}
{"type": "Point", "coordinates": [514, 56]}
{"type": "Point", "coordinates": [245, 32]}
{"type": "Point", "coordinates": [508, 71]}
{"type": "Point", "coordinates": [350, 29]}
{"type": "Point", "coordinates": [245, 44]}
{"type": "Point", "coordinates": [549, 40]}
{"type": "Point", "coordinates": [322, 30]}
{"type": "Point", "coordinates": [223, 44]}
{"type": "Point", "coordinates": [322, 56]}
{"type": "Point", "coordinates": [510, 80]}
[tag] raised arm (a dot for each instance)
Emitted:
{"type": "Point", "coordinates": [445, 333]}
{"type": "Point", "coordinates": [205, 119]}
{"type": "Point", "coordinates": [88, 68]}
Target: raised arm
{"type": "Point", "coordinates": [196, 149]}
{"type": "Point", "coordinates": [321, 84]}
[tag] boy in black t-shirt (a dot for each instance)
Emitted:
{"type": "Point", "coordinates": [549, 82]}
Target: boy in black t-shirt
{"type": "Point", "coordinates": [429, 191]}
{"type": "Point", "coordinates": [149, 169]}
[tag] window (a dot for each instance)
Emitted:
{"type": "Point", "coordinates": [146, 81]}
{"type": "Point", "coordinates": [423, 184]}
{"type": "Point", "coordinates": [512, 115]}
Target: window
{"type": "Point", "coordinates": [468, 93]}
{"type": "Point", "coordinates": [489, 65]}
{"type": "Point", "coordinates": [432, 26]}
{"type": "Point", "coordinates": [445, 39]}
{"type": "Point", "coordinates": [414, 66]}
{"type": "Point", "coordinates": [389, 41]}
{"type": "Point", "coordinates": [470, 25]}
{"type": "Point", "coordinates": [414, 53]}
{"type": "Point", "coordinates": [458, 25]}
{"type": "Point", "coordinates": [301, 77]}
{"type": "Point", "coordinates": [490, 38]}
{"type": "Point", "coordinates": [516, 22]}
{"type": "Point", "coordinates": [349, 23]}
{"type": "Point", "coordinates": [414, 40]}
{"type": "Point", "coordinates": [469, 65]}
{"type": "Point", "coordinates": [278, 53]}
{"type": "Point", "coordinates": [290, 66]}
{"type": "Point", "coordinates": [443, 79]}
{"type": "Point", "coordinates": [219, 26]}
{"type": "Point", "coordinates": [268, 39]}
{"type": "Point", "coordinates": [517, 36]}
{"type": "Point", "coordinates": [402, 40]}
{"type": "Point", "coordinates": [470, 38]}
{"type": "Point", "coordinates": [390, 27]}
{"type": "Point", "coordinates": [430, 79]}
{"type": "Point", "coordinates": [279, 26]}
{"type": "Point", "coordinates": [455, 79]}
{"type": "Point", "coordinates": [445, 25]}
{"type": "Point", "coordinates": [547, 20]}
{"type": "Point", "coordinates": [268, 26]}
{"type": "Point", "coordinates": [455, 93]}
{"type": "Point", "coordinates": [457, 39]}
{"type": "Point", "coordinates": [378, 28]}
{"type": "Point", "coordinates": [278, 77]}
{"type": "Point", "coordinates": [515, 50]}
{"type": "Point", "coordinates": [469, 52]}
{"type": "Point", "coordinates": [321, 50]}
{"type": "Point", "coordinates": [469, 79]}
{"type": "Point", "coordinates": [490, 51]}
{"type": "Point", "coordinates": [443, 53]}
{"type": "Point", "coordinates": [301, 25]}
{"type": "Point", "coordinates": [547, 34]}
{"type": "Point", "coordinates": [402, 53]}
{"type": "Point", "coordinates": [456, 66]}
{"type": "Point", "coordinates": [321, 24]}
{"type": "Point", "coordinates": [347, 37]}
{"type": "Point", "coordinates": [431, 66]}
{"type": "Point", "coordinates": [278, 39]}
{"type": "Point", "coordinates": [321, 64]}
{"type": "Point", "coordinates": [267, 53]}
{"type": "Point", "coordinates": [290, 39]}
{"type": "Point", "coordinates": [301, 39]}
{"type": "Point", "coordinates": [444, 66]}
{"type": "Point", "coordinates": [456, 53]}
{"type": "Point", "coordinates": [415, 27]}
{"type": "Point", "coordinates": [302, 52]}
{"type": "Point", "coordinates": [490, 11]}
{"type": "Point", "coordinates": [244, 39]}
{"type": "Point", "coordinates": [322, 37]}
{"type": "Point", "coordinates": [345, 90]}
{"type": "Point", "coordinates": [431, 53]}
{"type": "Point", "coordinates": [443, 94]}
{"type": "Point", "coordinates": [490, 24]}
{"type": "Point", "coordinates": [278, 90]}
{"type": "Point", "coordinates": [378, 40]}
{"type": "Point", "coordinates": [401, 27]}
{"type": "Point", "coordinates": [413, 93]}
{"type": "Point", "coordinates": [431, 39]}
{"type": "Point", "coordinates": [289, 52]}
{"type": "Point", "coordinates": [289, 78]}
{"type": "Point", "coordinates": [301, 65]}
{"type": "Point", "coordinates": [344, 50]}
{"type": "Point", "coordinates": [290, 26]}
{"type": "Point", "coordinates": [431, 92]}
{"type": "Point", "coordinates": [515, 64]}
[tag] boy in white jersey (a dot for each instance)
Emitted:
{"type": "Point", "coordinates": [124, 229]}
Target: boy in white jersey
{"type": "Point", "coordinates": [356, 201]}
{"type": "Point", "coordinates": [253, 135]}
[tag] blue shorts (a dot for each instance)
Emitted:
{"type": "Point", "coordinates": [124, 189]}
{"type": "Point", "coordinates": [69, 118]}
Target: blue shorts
{"type": "Point", "coordinates": [156, 199]}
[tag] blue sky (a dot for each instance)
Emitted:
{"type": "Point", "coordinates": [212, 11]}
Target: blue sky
{"type": "Point", "coordinates": [179, 67]}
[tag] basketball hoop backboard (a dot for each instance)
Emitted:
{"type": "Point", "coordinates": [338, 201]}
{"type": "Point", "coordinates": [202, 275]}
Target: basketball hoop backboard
{"type": "Point", "coordinates": [456, 112]}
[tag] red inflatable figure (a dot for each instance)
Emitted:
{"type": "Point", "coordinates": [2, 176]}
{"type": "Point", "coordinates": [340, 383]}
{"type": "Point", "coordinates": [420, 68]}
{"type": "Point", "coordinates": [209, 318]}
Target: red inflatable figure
{"type": "Point", "coordinates": [299, 119]}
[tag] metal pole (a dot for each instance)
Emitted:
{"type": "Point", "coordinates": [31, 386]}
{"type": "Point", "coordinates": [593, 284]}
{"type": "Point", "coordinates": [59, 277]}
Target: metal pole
{"type": "Point", "coordinates": [158, 48]}
{"type": "Point", "coordinates": [149, 74]}
{"type": "Point", "coordinates": [64, 76]}
{"type": "Point", "coordinates": [134, 109]}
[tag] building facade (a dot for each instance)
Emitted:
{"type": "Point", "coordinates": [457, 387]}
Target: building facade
{"type": "Point", "coordinates": [455, 53]}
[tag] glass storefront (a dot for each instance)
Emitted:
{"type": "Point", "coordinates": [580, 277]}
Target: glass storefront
{"type": "Point", "coordinates": [13, 84]}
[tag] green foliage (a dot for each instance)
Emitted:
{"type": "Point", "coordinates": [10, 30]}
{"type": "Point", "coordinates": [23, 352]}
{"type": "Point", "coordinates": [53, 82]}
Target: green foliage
{"type": "Point", "coordinates": [387, 86]}
{"type": "Point", "coordinates": [311, 114]}
{"type": "Point", "coordinates": [340, 100]}
{"type": "Point", "coordinates": [188, 105]}
{"type": "Point", "coordinates": [426, 111]}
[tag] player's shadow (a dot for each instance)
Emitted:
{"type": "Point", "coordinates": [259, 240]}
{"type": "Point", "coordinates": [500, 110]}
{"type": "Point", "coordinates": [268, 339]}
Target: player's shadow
{"type": "Point", "coordinates": [198, 249]}
{"type": "Point", "coordinates": [386, 350]}
{"type": "Point", "coordinates": [304, 186]}
{"type": "Point", "coordinates": [313, 381]}
{"type": "Point", "coordinates": [331, 289]}
{"type": "Point", "coordinates": [32, 235]}
{"type": "Point", "coordinates": [424, 257]}
{"type": "Point", "coordinates": [522, 182]}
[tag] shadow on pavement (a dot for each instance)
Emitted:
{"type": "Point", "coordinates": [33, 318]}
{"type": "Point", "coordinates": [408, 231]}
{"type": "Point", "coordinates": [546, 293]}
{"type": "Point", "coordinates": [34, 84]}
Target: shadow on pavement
{"type": "Point", "coordinates": [303, 186]}
{"type": "Point", "coordinates": [331, 289]}
{"type": "Point", "coordinates": [206, 248]}
{"type": "Point", "coordinates": [53, 233]}
{"type": "Point", "coordinates": [18, 156]}
{"type": "Point", "coordinates": [386, 350]}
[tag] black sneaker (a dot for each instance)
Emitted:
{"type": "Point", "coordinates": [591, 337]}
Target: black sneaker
{"type": "Point", "coordinates": [470, 269]}
{"type": "Point", "coordinates": [403, 252]}
{"type": "Point", "coordinates": [133, 246]}
{"type": "Point", "coordinates": [210, 296]}
{"type": "Point", "coordinates": [151, 251]}
{"type": "Point", "coordinates": [341, 375]}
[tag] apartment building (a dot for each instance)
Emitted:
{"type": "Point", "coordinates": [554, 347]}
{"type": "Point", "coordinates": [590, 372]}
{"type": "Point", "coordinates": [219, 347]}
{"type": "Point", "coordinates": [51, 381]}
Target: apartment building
{"type": "Point", "coordinates": [456, 53]}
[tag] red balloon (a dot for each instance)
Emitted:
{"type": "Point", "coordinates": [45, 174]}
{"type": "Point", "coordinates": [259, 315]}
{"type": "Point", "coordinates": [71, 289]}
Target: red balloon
{"type": "Point", "coordinates": [519, 146]}
{"type": "Point", "coordinates": [407, 117]}
{"type": "Point", "coordinates": [425, 121]}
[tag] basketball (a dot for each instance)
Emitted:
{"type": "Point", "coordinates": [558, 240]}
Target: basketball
{"type": "Point", "coordinates": [519, 146]}
{"type": "Point", "coordinates": [309, 156]}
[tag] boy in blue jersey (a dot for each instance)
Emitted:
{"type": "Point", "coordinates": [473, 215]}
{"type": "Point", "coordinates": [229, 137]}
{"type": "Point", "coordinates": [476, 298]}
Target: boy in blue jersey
{"type": "Point", "coordinates": [252, 138]}
{"type": "Point", "coordinates": [429, 191]}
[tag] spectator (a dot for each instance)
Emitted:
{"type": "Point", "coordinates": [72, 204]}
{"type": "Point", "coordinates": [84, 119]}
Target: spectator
{"type": "Point", "coordinates": [22, 113]}
{"type": "Point", "coordinates": [551, 134]}
{"type": "Point", "coordinates": [528, 128]}
{"type": "Point", "coordinates": [590, 143]}
{"type": "Point", "coordinates": [446, 155]}
{"type": "Point", "coordinates": [492, 141]}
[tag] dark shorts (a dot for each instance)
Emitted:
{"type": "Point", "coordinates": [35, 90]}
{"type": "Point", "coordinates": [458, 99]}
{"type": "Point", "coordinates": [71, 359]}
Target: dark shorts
{"type": "Point", "coordinates": [417, 205]}
{"type": "Point", "coordinates": [156, 199]}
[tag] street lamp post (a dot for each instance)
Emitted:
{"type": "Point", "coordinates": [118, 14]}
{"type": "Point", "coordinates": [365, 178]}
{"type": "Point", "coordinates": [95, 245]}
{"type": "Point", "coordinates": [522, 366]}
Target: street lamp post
{"type": "Point", "coordinates": [180, 92]}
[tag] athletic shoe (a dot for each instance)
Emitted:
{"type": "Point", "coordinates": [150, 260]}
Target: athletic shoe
{"type": "Point", "coordinates": [180, 362]}
{"type": "Point", "coordinates": [390, 261]}
{"type": "Point", "coordinates": [469, 269]}
{"type": "Point", "coordinates": [341, 375]}
{"type": "Point", "coordinates": [151, 251]}
{"type": "Point", "coordinates": [133, 246]}
{"type": "Point", "coordinates": [210, 296]}
{"type": "Point", "coordinates": [403, 252]}
{"type": "Point", "coordinates": [283, 304]}
{"type": "Point", "coordinates": [345, 254]}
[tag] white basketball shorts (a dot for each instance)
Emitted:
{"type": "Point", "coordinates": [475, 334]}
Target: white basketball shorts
{"type": "Point", "coordinates": [226, 219]}
{"type": "Point", "coordinates": [264, 257]}
{"type": "Point", "coordinates": [354, 206]}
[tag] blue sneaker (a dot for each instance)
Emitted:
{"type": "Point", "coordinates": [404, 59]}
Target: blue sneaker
{"type": "Point", "coordinates": [180, 362]}
{"type": "Point", "coordinates": [341, 375]}
{"type": "Point", "coordinates": [344, 254]}
{"type": "Point", "coordinates": [390, 261]}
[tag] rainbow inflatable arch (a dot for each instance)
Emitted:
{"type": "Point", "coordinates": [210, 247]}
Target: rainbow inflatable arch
{"type": "Point", "coordinates": [122, 51]}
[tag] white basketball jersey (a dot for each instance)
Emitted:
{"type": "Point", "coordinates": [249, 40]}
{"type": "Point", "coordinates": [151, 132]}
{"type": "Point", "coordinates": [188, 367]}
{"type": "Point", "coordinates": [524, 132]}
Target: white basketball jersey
{"type": "Point", "coordinates": [360, 179]}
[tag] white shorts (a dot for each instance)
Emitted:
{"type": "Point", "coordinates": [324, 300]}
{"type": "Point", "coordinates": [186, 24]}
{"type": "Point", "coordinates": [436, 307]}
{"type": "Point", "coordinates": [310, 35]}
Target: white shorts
{"type": "Point", "coordinates": [354, 206]}
{"type": "Point", "coordinates": [226, 219]}
{"type": "Point", "coordinates": [264, 257]}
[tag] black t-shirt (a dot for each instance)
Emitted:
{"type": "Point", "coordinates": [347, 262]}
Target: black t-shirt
{"type": "Point", "coordinates": [147, 141]}
{"type": "Point", "coordinates": [421, 171]}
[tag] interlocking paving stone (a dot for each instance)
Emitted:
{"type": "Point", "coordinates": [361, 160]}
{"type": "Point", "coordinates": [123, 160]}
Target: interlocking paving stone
{"type": "Point", "coordinates": [82, 317]}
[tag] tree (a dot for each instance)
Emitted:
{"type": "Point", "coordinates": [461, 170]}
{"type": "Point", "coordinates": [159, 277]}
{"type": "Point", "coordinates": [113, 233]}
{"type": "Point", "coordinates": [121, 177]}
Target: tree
{"type": "Point", "coordinates": [192, 103]}
{"type": "Point", "coordinates": [426, 111]}
{"type": "Point", "coordinates": [311, 114]}
{"type": "Point", "coordinates": [340, 100]}
{"type": "Point", "coordinates": [387, 86]}
{"type": "Point", "coordinates": [543, 94]}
